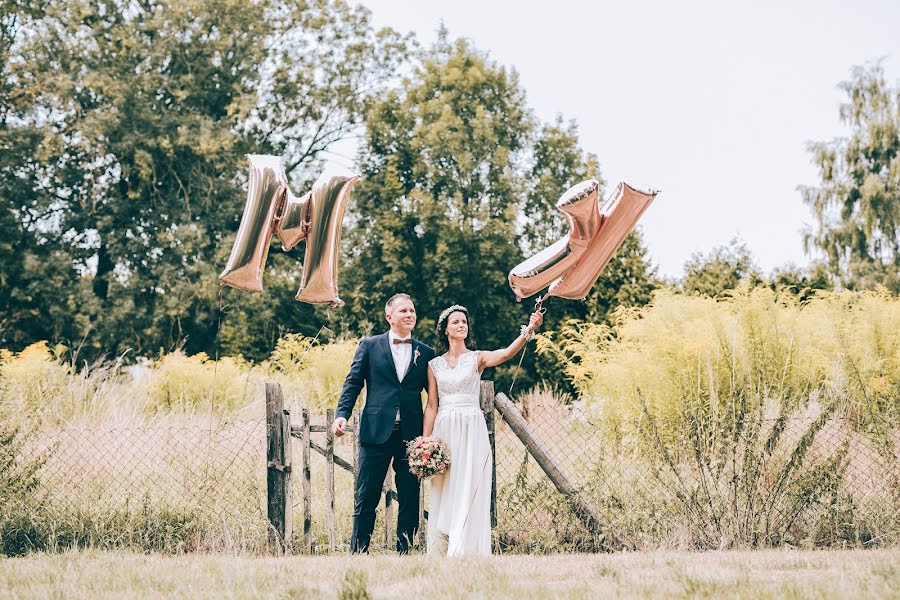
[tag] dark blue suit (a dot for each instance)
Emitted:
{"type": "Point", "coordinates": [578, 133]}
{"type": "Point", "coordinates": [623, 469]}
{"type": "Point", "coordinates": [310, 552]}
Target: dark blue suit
{"type": "Point", "coordinates": [381, 441]}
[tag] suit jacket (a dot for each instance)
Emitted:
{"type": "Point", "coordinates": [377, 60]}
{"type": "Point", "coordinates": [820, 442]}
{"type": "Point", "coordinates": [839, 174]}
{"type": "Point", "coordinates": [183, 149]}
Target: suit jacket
{"type": "Point", "coordinates": [373, 366]}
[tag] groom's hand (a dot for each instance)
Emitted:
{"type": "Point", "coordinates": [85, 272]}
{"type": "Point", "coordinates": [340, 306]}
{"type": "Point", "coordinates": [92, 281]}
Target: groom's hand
{"type": "Point", "coordinates": [338, 426]}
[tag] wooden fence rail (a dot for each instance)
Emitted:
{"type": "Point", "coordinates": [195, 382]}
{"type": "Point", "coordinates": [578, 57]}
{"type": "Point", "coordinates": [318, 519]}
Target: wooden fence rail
{"type": "Point", "coordinates": [280, 432]}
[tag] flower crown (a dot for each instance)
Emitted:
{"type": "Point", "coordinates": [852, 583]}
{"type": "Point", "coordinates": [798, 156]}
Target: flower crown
{"type": "Point", "coordinates": [446, 312]}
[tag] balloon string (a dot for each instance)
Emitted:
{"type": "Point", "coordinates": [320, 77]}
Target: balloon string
{"type": "Point", "coordinates": [218, 330]}
{"type": "Point", "coordinates": [516, 373]}
{"type": "Point", "coordinates": [538, 307]}
{"type": "Point", "coordinates": [222, 307]}
{"type": "Point", "coordinates": [212, 396]}
{"type": "Point", "coordinates": [313, 342]}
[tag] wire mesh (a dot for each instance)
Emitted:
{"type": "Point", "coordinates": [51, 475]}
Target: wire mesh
{"type": "Point", "coordinates": [811, 480]}
{"type": "Point", "coordinates": [159, 488]}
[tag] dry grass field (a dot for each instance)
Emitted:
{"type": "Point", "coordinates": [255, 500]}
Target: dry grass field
{"type": "Point", "coordinates": [760, 574]}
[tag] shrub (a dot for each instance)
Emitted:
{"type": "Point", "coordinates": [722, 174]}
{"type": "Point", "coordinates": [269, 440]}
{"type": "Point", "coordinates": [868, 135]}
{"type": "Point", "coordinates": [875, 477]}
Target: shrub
{"type": "Point", "coordinates": [311, 373]}
{"type": "Point", "coordinates": [181, 383]}
{"type": "Point", "coordinates": [748, 348]}
{"type": "Point", "coordinates": [19, 488]}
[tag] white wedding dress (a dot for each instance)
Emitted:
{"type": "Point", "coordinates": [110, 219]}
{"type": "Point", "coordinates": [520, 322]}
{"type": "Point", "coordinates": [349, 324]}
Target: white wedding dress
{"type": "Point", "coordinates": [459, 519]}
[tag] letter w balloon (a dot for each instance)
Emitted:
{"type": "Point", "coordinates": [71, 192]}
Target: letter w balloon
{"type": "Point", "coordinates": [270, 209]}
{"type": "Point", "coordinates": [572, 265]}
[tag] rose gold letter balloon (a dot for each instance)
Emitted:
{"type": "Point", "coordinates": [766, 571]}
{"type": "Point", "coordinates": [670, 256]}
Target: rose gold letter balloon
{"type": "Point", "coordinates": [619, 217]}
{"type": "Point", "coordinates": [272, 208]}
{"type": "Point", "coordinates": [292, 224]}
{"type": "Point", "coordinates": [251, 246]}
{"type": "Point", "coordinates": [580, 206]}
{"type": "Point", "coordinates": [327, 202]}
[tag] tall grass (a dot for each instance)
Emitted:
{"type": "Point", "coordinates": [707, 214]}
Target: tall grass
{"type": "Point", "coordinates": [750, 421]}
{"type": "Point", "coordinates": [45, 385]}
{"type": "Point", "coordinates": [167, 455]}
{"type": "Point", "coordinates": [752, 347]}
{"type": "Point", "coordinates": [757, 412]}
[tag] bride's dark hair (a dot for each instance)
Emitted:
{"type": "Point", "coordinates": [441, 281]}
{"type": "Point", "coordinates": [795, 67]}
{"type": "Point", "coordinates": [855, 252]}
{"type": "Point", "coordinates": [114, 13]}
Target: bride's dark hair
{"type": "Point", "coordinates": [443, 342]}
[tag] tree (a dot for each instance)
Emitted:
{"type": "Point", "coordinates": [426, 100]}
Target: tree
{"type": "Point", "coordinates": [723, 269]}
{"type": "Point", "coordinates": [557, 163]}
{"type": "Point", "coordinates": [460, 184]}
{"type": "Point", "coordinates": [802, 283]}
{"type": "Point", "coordinates": [435, 214]}
{"type": "Point", "coordinates": [135, 117]}
{"type": "Point", "coordinates": [856, 206]}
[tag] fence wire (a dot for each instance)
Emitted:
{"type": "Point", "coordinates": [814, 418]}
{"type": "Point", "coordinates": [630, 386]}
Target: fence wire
{"type": "Point", "coordinates": [810, 480]}
{"type": "Point", "coordinates": [180, 488]}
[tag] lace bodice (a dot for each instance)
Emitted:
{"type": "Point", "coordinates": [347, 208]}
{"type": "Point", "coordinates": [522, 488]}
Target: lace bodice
{"type": "Point", "coordinates": [464, 378]}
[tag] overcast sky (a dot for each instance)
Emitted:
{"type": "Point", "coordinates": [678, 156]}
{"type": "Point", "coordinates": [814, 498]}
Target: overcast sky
{"type": "Point", "coordinates": [711, 102]}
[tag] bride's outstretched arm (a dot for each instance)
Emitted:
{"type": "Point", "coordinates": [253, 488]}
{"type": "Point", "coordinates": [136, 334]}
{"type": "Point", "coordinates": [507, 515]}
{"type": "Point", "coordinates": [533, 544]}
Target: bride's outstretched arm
{"type": "Point", "coordinates": [496, 357]}
{"type": "Point", "coordinates": [431, 406]}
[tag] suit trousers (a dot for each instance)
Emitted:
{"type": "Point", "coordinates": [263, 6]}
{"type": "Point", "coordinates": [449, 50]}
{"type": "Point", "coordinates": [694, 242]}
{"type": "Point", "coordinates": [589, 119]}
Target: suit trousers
{"type": "Point", "coordinates": [374, 460]}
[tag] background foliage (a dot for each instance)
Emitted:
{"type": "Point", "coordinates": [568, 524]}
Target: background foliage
{"type": "Point", "coordinates": [122, 131]}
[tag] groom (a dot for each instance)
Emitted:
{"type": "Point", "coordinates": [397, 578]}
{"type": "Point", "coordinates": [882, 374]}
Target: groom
{"type": "Point", "coordinates": [393, 368]}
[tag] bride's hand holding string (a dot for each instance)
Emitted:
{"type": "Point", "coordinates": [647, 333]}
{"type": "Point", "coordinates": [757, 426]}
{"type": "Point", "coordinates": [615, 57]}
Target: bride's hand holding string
{"type": "Point", "coordinates": [497, 357]}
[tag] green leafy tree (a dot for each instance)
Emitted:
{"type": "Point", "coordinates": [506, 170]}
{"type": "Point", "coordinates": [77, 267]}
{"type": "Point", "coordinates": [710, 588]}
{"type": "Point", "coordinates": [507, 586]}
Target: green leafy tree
{"type": "Point", "coordinates": [720, 271]}
{"type": "Point", "coordinates": [139, 114]}
{"type": "Point", "coordinates": [35, 277]}
{"type": "Point", "coordinates": [800, 282]}
{"type": "Point", "coordinates": [856, 205]}
{"type": "Point", "coordinates": [558, 162]}
{"type": "Point", "coordinates": [460, 185]}
{"type": "Point", "coordinates": [435, 215]}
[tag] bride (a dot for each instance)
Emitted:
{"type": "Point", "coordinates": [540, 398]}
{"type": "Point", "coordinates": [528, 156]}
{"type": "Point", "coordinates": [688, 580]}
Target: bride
{"type": "Point", "coordinates": [459, 522]}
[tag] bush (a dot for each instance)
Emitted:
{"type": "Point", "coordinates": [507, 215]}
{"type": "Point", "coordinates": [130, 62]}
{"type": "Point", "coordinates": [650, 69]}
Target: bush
{"type": "Point", "coordinates": [19, 488]}
{"type": "Point", "coordinates": [748, 348]}
{"type": "Point", "coordinates": [311, 371]}
{"type": "Point", "coordinates": [40, 383]}
{"type": "Point", "coordinates": [181, 383]}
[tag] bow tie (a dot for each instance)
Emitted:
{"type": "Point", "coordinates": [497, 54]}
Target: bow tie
{"type": "Point", "coordinates": [406, 341]}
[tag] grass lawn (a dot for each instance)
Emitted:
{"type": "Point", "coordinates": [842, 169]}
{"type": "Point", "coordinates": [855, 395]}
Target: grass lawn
{"type": "Point", "coordinates": [762, 574]}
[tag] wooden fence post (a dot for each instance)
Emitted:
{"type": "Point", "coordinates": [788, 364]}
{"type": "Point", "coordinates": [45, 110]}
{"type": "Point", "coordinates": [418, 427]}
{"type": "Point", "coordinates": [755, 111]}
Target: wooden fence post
{"type": "Point", "coordinates": [307, 491]}
{"type": "Point", "coordinates": [585, 513]}
{"type": "Point", "coordinates": [278, 470]}
{"type": "Point", "coordinates": [487, 407]}
{"type": "Point", "coordinates": [329, 476]}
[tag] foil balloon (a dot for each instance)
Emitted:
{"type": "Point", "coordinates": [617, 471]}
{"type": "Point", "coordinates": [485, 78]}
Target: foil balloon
{"type": "Point", "coordinates": [618, 218]}
{"type": "Point", "coordinates": [292, 222]}
{"type": "Point", "coordinates": [271, 208]}
{"type": "Point", "coordinates": [251, 245]}
{"type": "Point", "coordinates": [327, 202]}
{"type": "Point", "coordinates": [579, 205]}
{"type": "Point", "coordinates": [572, 265]}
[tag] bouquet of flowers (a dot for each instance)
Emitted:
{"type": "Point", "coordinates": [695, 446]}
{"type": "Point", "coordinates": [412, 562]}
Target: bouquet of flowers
{"type": "Point", "coordinates": [428, 456]}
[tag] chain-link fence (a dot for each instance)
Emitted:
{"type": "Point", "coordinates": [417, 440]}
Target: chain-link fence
{"type": "Point", "coordinates": [752, 480]}
{"type": "Point", "coordinates": [177, 488]}
{"type": "Point", "coordinates": [811, 479]}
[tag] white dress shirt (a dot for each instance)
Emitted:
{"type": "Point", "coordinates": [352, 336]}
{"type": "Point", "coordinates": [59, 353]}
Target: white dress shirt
{"type": "Point", "coordinates": [401, 354]}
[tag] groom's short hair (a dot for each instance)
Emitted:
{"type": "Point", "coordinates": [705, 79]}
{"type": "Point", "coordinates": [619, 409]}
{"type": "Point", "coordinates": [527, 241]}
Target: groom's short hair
{"type": "Point", "coordinates": [390, 302]}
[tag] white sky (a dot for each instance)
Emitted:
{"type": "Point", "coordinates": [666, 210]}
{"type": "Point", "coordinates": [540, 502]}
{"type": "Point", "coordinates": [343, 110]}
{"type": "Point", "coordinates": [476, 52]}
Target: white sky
{"type": "Point", "coordinates": [711, 102]}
